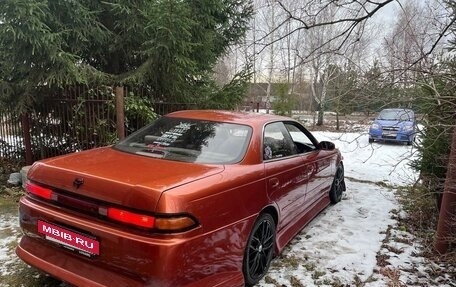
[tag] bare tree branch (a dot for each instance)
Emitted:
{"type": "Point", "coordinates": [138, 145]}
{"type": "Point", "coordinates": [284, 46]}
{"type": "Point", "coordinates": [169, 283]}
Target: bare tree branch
{"type": "Point", "coordinates": [311, 23]}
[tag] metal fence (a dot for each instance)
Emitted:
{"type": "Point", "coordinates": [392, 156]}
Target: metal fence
{"type": "Point", "coordinates": [11, 139]}
{"type": "Point", "coordinates": [70, 120]}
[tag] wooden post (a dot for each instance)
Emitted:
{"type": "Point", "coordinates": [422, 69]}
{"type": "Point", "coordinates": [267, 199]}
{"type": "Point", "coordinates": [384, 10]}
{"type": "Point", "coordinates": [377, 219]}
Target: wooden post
{"type": "Point", "coordinates": [120, 112]}
{"type": "Point", "coordinates": [448, 206]}
{"type": "Point", "coordinates": [27, 138]}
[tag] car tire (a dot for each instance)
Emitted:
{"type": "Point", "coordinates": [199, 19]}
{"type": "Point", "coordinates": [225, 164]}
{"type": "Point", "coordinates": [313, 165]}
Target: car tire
{"type": "Point", "coordinates": [338, 185]}
{"type": "Point", "coordinates": [259, 250]}
{"type": "Point", "coordinates": [371, 140]}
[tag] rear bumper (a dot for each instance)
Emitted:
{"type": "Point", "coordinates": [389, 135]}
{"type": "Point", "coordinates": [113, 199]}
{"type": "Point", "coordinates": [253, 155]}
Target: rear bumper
{"type": "Point", "coordinates": [89, 275]}
{"type": "Point", "coordinates": [61, 266]}
{"type": "Point", "coordinates": [131, 260]}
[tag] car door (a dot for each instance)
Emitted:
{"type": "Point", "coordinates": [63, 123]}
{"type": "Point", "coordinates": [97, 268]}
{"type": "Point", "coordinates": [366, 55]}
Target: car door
{"type": "Point", "coordinates": [287, 172]}
{"type": "Point", "coordinates": [319, 164]}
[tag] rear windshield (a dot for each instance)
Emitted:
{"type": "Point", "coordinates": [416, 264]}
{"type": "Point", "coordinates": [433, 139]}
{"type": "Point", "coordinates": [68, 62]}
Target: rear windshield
{"type": "Point", "coordinates": [396, 115]}
{"type": "Point", "coordinates": [190, 141]}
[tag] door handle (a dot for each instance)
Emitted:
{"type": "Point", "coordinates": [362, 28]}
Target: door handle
{"type": "Point", "coordinates": [274, 182]}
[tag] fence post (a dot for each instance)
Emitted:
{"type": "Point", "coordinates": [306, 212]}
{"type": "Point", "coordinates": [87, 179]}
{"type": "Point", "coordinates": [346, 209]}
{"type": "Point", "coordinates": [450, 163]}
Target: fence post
{"type": "Point", "coordinates": [120, 112]}
{"type": "Point", "coordinates": [27, 138]}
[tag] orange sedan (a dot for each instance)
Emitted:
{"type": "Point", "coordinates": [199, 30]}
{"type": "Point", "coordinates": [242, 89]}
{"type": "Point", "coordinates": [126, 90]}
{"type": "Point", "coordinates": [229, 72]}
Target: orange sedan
{"type": "Point", "coordinates": [195, 199]}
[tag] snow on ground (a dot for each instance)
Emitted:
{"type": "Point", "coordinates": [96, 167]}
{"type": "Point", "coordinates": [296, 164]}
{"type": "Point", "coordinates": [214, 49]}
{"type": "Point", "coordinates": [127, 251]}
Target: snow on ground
{"type": "Point", "coordinates": [9, 233]}
{"type": "Point", "coordinates": [378, 162]}
{"type": "Point", "coordinates": [354, 243]}
{"type": "Point", "coordinates": [341, 244]}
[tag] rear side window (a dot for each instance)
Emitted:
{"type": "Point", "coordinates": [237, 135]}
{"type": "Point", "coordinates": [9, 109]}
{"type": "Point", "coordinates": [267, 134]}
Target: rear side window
{"type": "Point", "coordinates": [277, 142]}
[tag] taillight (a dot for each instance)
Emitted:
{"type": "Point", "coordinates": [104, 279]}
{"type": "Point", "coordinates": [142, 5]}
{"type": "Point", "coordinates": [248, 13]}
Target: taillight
{"type": "Point", "coordinates": [40, 191]}
{"type": "Point", "coordinates": [131, 218]}
{"type": "Point", "coordinates": [177, 223]}
{"type": "Point", "coordinates": [168, 223]}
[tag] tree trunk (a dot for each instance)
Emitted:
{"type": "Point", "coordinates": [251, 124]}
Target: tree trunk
{"type": "Point", "coordinates": [321, 109]}
{"type": "Point", "coordinates": [320, 115]}
{"type": "Point", "coordinates": [337, 120]}
{"type": "Point", "coordinates": [448, 207]}
{"type": "Point", "coordinates": [271, 62]}
{"type": "Point", "coordinates": [315, 96]}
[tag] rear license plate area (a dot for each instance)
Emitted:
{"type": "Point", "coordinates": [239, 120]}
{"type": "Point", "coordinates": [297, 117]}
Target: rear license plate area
{"type": "Point", "coordinates": [75, 241]}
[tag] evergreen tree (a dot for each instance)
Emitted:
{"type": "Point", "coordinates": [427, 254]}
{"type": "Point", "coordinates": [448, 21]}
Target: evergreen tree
{"type": "Point", "coordinates": [169, 46]}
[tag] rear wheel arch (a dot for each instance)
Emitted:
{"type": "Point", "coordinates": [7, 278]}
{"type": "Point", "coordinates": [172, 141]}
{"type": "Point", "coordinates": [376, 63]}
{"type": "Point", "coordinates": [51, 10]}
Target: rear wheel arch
{"type": "Point", "coordinates": [273, 212]}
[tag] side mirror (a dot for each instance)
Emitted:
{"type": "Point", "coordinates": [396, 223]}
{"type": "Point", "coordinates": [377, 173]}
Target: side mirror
{"type": "Point", "coordinates": [326, 145]}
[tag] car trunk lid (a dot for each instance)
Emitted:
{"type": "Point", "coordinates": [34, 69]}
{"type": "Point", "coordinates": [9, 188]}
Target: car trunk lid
{"type": "Point", "coordinates": [116, 177]}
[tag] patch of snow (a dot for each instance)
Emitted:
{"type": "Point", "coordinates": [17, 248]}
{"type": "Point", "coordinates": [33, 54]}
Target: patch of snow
{"type": "Point", "coordinates": [376, 162]}
{"type": "Point", "coordinates": [341, 244]}
{"type": "Point", "coordinates": [9, 234]}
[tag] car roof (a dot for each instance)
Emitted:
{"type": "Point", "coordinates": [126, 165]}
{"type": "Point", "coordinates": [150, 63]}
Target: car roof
{"type": "Point", "coordinates": [228, 116]}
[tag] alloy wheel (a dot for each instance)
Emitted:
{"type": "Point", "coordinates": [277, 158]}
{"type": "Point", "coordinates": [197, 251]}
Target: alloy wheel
{"type": "Point", "coordinates": [259, 250]}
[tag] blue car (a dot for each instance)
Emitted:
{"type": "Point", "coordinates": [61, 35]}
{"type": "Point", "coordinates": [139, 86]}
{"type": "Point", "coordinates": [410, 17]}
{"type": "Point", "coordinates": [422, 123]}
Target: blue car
{"type": "Point", "coordinates": [398, 125]}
